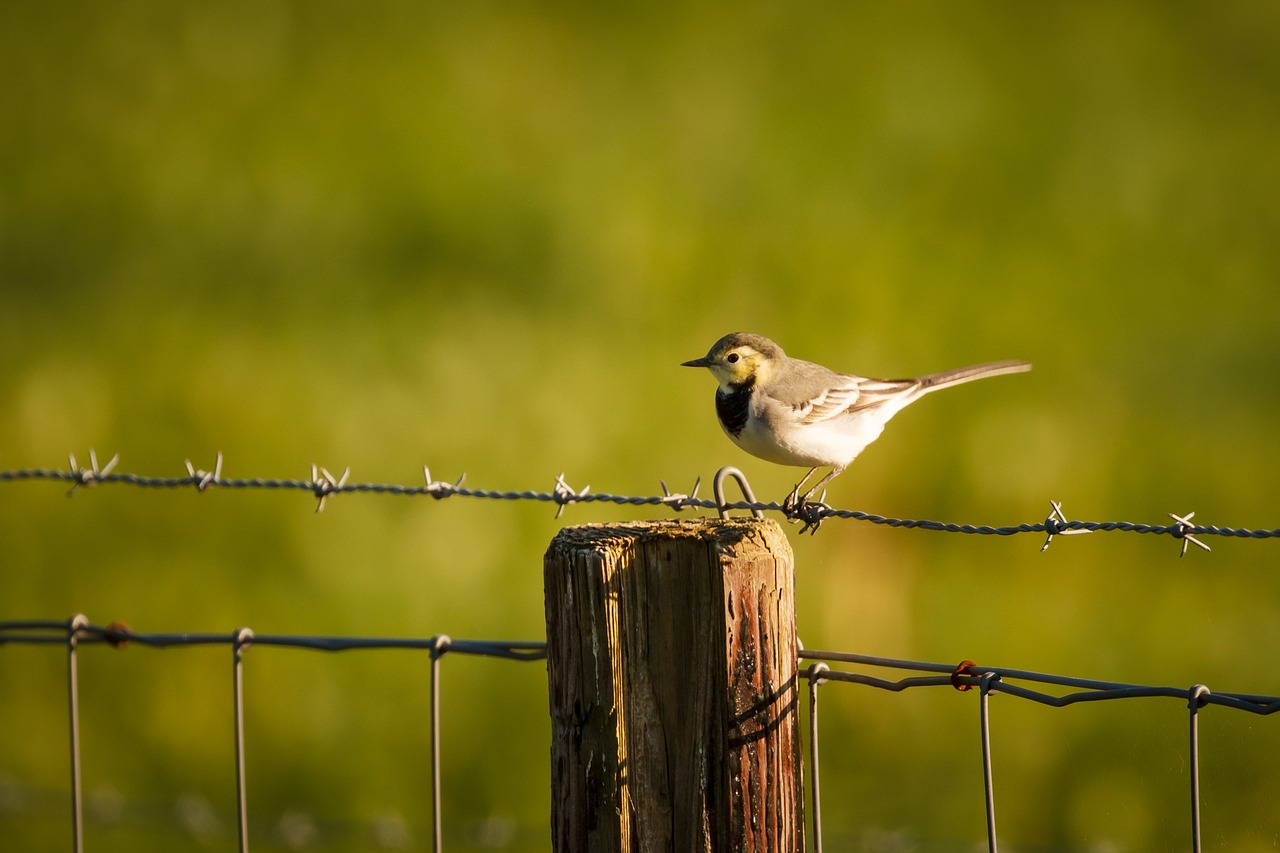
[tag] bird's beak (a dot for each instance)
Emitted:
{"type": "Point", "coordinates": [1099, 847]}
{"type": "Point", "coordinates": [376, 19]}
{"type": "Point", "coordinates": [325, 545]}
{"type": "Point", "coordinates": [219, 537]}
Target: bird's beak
{"type": "Point", "coordinates": [705, 361]}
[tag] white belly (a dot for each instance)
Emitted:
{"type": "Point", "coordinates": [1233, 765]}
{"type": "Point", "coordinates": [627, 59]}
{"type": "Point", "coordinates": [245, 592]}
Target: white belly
{"type": "Point", "coordinates": [832, 443]}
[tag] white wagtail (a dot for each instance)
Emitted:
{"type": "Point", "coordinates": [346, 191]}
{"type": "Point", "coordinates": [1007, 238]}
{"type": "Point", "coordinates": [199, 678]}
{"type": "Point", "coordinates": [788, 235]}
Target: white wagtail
{"type": "Point", "coordinates": [796, 412]}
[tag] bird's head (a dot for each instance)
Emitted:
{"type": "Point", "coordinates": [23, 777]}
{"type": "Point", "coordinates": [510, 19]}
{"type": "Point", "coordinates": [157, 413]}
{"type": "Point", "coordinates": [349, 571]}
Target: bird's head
{"type": "Point", "coordinates": [737, 358]}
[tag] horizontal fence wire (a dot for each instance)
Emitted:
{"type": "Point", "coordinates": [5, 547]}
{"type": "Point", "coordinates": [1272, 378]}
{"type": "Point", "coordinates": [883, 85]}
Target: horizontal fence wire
{"type": "Point", "coordinates": [323, 485]}
{"type": "Point", "coordinates": [50, 631]}
{"type": "Point", "coordinates": [78, 631]}
{"type": "Point", "coordinates": [994, 680]}
{"type": "Point", "coordinates": [967, 675]}
{"type": "Point", "coordinates": [825, 667]}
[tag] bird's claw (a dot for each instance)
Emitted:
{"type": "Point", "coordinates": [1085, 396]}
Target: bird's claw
{"type": "Point", "coordinates": [791, 501]}
{"type": "Point", "coordinates": [810, 513]}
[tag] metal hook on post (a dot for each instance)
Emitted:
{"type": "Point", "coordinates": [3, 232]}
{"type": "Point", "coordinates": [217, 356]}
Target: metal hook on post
{"type": "Point", "coordinates": [721, 505]}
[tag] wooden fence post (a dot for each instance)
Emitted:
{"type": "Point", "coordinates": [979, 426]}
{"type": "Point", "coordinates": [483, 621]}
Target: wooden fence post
{"type": "Point", "coordinates": [673, 685]}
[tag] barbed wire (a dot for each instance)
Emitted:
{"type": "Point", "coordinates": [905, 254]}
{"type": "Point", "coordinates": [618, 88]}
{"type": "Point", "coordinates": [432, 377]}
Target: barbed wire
{"type": "Point", "coordinates": [323, 485]}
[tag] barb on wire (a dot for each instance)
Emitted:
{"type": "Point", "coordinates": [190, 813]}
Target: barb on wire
{"type": "Point", "coordinates": [1181, 531]}
{"type": "Point", "coordinates": [677, 500]}
{"type": "Point", "coordinates": [440, 490]}
{"type": "Point", "coordinates": [1055, 525]}
{"type": "Point", "coordinates": [91, 475]}
{"type": "Point", "coordinates": [203, 479]}
{"type": "Point", "coordinates": [563, 494]}
{"type": "Point", "coordinates": [322, 485]}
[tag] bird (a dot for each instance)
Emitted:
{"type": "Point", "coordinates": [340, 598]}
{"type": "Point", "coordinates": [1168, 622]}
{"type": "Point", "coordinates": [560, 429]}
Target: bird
{"type": "Point", "coordinates": [795, 412]}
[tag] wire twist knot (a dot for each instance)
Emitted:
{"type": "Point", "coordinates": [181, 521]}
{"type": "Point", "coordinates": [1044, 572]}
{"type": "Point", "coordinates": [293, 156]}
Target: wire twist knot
{"type": "Point", "coordinates": [440, 489]}
{"type": "Point", "coordinates": [324, 484]}
{"type": "Point", "coordinates": [93, 474]}
{"type": "Point", "coordinates": [563, 494]}
{"type": "Point", "coordinates": [1182, 528]}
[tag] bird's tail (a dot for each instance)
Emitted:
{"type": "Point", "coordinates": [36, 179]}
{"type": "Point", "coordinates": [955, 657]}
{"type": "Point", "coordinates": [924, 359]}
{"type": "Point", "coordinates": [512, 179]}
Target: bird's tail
{"type": "Point", "coordinates": [934, 381]}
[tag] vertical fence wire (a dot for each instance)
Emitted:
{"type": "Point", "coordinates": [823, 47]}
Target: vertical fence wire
{"type": "Point", "coordinates": [74, 627]}
{"type": "Point", "coordinates": [239, 644]}
{"type": "Point", "coordinates": [1195, 700]}
{"type": "Point", "coordinates": [439, 646]}
{"type": "Point", "coordinates": [989, 679]}
{"type": "Point", "coordinates": [75, 632]}
{"type": "Point", "coordinates": [815, 681]}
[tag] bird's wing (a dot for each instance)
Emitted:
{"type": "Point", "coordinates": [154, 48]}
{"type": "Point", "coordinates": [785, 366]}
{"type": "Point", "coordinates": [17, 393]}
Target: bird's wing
{"type": "Point", "coordinates": [817, 395]}
{"type": "Point", "coordinates": [853, 394]}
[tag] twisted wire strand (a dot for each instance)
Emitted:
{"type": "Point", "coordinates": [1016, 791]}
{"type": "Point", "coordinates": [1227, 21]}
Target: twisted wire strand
{"type": "Point", "coordinates": [119, 635]}
{"type": "Point", "coordinates": [966, 675]}
{"type": "Point", "coordinates": [969, 675]}
{"type": "Point", "coordinates": [323, 485]}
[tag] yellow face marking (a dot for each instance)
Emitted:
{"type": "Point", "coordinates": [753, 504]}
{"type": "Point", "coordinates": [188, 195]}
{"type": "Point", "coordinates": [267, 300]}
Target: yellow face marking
{"type": "Point", "coordinates": [737, 365]}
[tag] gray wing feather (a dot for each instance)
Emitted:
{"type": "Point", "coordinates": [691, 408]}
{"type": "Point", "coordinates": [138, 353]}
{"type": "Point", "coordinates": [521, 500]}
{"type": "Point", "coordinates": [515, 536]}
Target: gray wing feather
{"type": "Point", "coordinates": [857, 393]}
{"type": "Point", "coordinates": [815, 394]}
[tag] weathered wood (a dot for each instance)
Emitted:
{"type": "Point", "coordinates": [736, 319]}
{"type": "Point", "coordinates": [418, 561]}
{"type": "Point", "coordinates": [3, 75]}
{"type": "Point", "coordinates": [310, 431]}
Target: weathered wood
{"type": "Point", "coordinates": [673, 683]}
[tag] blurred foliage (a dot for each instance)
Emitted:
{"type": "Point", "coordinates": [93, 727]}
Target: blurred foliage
{"type": "Point", "coordinates": [482, 236]}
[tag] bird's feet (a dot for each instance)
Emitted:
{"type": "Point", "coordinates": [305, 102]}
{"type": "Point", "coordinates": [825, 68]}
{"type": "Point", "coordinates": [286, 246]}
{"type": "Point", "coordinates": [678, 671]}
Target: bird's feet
{"type": "Point", "coordinates": [792, 501]}
{"type": "Point", "coordinates": [799, 508]}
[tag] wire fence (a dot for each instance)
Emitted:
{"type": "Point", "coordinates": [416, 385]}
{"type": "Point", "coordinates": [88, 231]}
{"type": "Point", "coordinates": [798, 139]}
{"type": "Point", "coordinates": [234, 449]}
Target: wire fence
{"type": "Point", "coordinates": [993, 680]}
{"type": "Point", "coordinates": [324, 485]}
{"type": "Point", "coordinates": [78, 631]}
{"type": "Point", "coordinates": [825, 668]}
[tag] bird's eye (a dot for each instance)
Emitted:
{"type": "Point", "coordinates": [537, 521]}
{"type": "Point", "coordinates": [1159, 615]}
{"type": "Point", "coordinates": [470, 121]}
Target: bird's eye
{"type": "Point", "coordinates": [732, 358]}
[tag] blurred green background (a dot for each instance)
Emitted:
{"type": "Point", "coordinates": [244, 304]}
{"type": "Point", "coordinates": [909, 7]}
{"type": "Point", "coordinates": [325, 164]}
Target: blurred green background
{"type": "Point", "coordinates": [482, 237]}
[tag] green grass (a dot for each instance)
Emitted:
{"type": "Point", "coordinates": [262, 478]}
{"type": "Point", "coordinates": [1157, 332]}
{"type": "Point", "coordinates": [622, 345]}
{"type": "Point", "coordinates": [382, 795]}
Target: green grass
{"type": "Point", "coordinates": [483, 237]}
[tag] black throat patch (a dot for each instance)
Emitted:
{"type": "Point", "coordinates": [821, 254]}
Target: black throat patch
{"type": "Point", "coordinates": [733, 406]}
